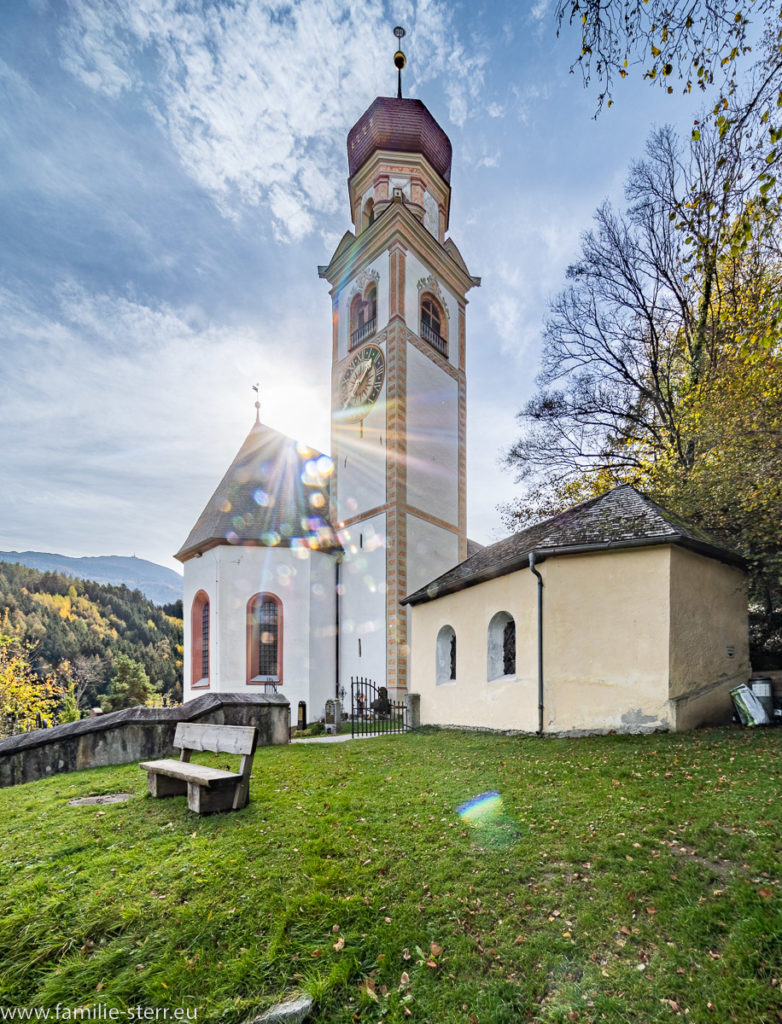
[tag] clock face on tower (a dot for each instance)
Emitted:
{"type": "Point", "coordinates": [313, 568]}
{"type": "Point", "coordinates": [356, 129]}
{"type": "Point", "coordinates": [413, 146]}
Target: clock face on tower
{"type": "Point", "coordinates": [362, 382]}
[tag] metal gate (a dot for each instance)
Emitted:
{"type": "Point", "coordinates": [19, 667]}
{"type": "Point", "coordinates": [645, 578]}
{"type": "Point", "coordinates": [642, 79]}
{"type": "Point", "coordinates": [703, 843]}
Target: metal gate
{"type": "Point", "coordinates": [372, 712]}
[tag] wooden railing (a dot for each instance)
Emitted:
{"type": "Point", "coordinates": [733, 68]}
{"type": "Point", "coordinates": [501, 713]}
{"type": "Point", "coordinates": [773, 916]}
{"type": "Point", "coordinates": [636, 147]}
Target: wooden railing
{"type": "Point", "coordinates": [362, 333]}
{"type": "Point", "coordinates": [430, 334]}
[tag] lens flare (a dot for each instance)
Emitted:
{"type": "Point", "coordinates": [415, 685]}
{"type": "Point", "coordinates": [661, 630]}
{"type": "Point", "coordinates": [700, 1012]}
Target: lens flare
{"type": "Point", "coordinates": [481, 808]}
{"type": "Point", "coordinates": [486, 815]}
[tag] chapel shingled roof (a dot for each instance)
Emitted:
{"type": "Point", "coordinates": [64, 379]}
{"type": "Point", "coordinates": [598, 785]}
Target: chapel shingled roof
{"type": "Point", "coordinates": [620, 518]}
{"type": "Point", "coordinates": [402, 126]}
{"type": "Point", "coordinates": [275, 494]}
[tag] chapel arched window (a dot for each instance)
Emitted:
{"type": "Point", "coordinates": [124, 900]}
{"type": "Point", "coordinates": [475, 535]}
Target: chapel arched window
{"type": "Point", "coordinates": [446, 655]}
{"type": "Point", "coordinates": [501, 646]}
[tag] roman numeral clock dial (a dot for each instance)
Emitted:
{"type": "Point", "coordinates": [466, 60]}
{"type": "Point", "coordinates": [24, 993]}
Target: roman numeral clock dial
{"type": "Point", "coordinates": [362, 382]}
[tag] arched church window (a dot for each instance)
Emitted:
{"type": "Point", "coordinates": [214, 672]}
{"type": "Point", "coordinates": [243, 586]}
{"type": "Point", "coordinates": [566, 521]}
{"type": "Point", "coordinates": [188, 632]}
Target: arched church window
{"type": "Point", "coordinates": [501, 646]}
{"type": "Point", "coordinates": [363, 316]}
{"type": "Point", "coordinates": [446, 655]}
{"type": "Point", "coordinates": [368, 215]}
{"type": "Point", "coordinates": [370, 300]}
{"type": "Point", "coordinates": [264, 639]}
{"type": "Point", "coordinates": [199, 641]}
{"type": "Point", "coordinates": [433, 323]}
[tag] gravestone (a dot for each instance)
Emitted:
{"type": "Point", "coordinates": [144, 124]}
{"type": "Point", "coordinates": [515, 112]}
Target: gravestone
{"type": "Point", "coordinates": [333, 716]}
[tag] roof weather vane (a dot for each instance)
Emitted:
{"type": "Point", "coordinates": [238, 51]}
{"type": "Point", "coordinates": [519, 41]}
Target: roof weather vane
{"type": "Point", "coordinates": [256, 388]}
{"type": "Point", "coordinates": [399, 59]}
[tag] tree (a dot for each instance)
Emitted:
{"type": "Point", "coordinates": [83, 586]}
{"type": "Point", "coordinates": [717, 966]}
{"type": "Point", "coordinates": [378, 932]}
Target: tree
{"type": "Point", "coordinates": [709, 44]}
{"type": "Point", "coordinates": [698, 42]}
{"type": "Point", "coordinates": [24, 697]}
{"type": "Point", "coordinates": [665, 371]}
{"type": "Point", "coordinates": [130, 685]}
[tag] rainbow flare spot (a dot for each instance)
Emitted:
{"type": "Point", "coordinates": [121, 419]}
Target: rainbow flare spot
{"type": "Point", "coordinates": [494, 828]}
{"type": "Point", "coordinates": [481, 809]}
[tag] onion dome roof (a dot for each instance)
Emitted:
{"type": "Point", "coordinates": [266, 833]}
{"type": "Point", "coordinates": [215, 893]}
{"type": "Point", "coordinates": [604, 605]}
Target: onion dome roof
{"type": "Point", "coordinates": [403, 126]}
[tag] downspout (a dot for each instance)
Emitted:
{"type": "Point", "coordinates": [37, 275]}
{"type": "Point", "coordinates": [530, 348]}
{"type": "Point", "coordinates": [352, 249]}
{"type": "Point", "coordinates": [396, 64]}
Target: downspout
{"type": "Point", "coordinates": [540, 641]}
{"type": "Point", "coordinates": [336, 628]}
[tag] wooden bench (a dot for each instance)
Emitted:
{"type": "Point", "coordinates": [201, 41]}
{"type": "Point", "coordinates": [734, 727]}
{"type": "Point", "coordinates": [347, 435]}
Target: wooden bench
{"type": "Point", "coordinates": [208, 789]}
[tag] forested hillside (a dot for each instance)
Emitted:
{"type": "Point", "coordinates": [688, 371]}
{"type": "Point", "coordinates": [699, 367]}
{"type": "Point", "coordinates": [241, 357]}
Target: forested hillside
{"type": "Point", "coordinates": [75, 630]}
{"type": "Point", "coordinates": [159, 584]}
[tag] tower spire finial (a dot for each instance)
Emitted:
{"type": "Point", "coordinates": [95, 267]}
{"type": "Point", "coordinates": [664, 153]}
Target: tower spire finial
{"type": "Point", "coordinates": [256, 388]}
{"type": "Point", "coordinates": [399, 60]}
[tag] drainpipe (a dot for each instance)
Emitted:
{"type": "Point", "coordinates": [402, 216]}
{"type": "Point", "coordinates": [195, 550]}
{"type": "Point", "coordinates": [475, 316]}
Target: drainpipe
{"type": "Point", "coordinates": [540, 641]}
{"type": "Point", "coordinates": [336, 629]}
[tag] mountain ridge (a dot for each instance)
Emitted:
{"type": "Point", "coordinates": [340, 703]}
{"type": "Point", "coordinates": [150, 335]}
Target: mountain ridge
{"type": "Point", "coordinates": [156, 582]}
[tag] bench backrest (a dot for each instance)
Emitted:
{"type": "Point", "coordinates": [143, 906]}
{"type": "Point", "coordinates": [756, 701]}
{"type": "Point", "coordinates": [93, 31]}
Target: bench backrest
{"type": "Point", "coordinates": [220, 739]}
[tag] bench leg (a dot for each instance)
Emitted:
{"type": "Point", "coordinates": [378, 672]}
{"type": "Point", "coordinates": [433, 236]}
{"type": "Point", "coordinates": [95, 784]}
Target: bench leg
{"type": "Point", "coordinates": [204, 800]}
{"type": "Point", "coordinates": [164, 785]}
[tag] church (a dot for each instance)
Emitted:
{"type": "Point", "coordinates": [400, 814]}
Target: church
{"type": "Point", "coordinates": [307, 570]}
{"type": "Point", "coordinates": [295, 571]}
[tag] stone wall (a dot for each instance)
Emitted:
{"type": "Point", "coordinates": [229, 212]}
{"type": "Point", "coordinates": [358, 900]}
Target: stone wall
{"type": "Point", "coordinates": [134, 734]}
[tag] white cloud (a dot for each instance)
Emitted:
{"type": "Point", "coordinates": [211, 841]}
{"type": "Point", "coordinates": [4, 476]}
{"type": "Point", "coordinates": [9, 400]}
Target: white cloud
{"type": "Point", "coordinates": [540, 10]}
{"type": "Point", "coordinates": [256, 97]}
{"type": "Point", "coordinates": [132, 412]}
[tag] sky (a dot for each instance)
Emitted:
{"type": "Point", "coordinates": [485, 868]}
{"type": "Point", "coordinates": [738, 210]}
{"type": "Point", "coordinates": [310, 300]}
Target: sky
{"type": "Point", "coordinates": [172, 172]}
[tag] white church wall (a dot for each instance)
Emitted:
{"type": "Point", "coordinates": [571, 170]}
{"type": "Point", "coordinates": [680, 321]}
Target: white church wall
{"type": "Point", "coordinates": [304, 582]}
{"type": "Point", "coordinates": [363, 603]}
{"type": "Point", "coordinates": [432, 438]}
{"type": "Point", "coordinates": [322, 642]}
{"type": "Point", "coordinates": [200, 574]}
{"type": "Point", "coordinates": [431, 551]}
{"type": "Point", "coordinates": [416, 271]}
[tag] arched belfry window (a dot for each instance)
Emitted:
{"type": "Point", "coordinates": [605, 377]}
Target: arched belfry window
{"type": "Point", "coordinates": [434, 323]}
{"type": "Point", "coordinates": [446, 655]}
{"type": "Point", "coordinates": [363, 315]}
{"type": "Point", "coordinates": [368, 214]}
{"type": "Point", "coordinates": [264, 639]}
{"type": "Point", "coordinates": [199, 641]}
{"type": "Point", "coordinates": [370, 302]}
{"type": "Point", "coordinates": [501, 647]}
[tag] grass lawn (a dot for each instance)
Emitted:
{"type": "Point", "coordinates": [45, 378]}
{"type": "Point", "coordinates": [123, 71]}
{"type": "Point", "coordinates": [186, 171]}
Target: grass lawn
{"type": "Point", "coordinates": [622, 879]}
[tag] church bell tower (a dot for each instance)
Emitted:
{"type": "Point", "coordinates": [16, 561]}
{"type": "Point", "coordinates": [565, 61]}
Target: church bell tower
{"type": "Point", "coordinates": [398, 406]}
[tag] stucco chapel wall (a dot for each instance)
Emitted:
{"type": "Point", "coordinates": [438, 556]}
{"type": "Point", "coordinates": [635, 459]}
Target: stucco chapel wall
{"type": "Point", "coordinates": [469, 700]}
{"type": "Point", "coordinates": [708, 617]}
{"type": "Point", "coordinates": [606, 652]}
{"type": "Point", "coordinates": [606, 641]}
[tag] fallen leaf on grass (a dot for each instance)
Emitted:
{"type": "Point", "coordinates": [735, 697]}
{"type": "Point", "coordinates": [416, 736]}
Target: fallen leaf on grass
{"type": "Point", "coordinates": [435, 948]}
{"type": "Point", "coordinates": [339, 944]}
{"type": "Point", "coordinates": [766, 893]}
{"type": "Point", "coordinates": [405, 953]}
{"type": "Point", "coordinates": [651, 910]}
{"type": "Point", "coordinates": [367, 986]}
{"type": "Point", "coordinates": [404, 981]}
